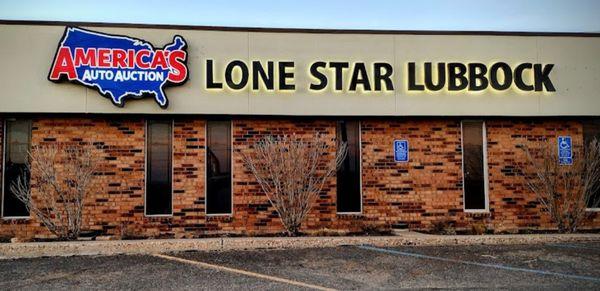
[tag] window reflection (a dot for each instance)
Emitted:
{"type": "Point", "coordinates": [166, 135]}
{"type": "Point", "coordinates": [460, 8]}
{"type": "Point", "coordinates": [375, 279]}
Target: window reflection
{"type": "Point", "coordinates": [158, 173]}
{"type": "Point", "coordinates": [18, 142]}
{"type": "Point", "coordinates": [218, 168]}
{"type": "Point", "coordinates": [473, 165]}
{"type": "Point", "coordinates": [348, 175]}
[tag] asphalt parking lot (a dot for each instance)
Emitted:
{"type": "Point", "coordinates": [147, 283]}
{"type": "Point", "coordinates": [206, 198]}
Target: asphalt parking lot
{"type": "Point", "coordinates": [548, 266]}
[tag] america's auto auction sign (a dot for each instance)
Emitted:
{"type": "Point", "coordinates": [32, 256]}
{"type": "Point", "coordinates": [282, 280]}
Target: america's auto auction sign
{"type": "Point", "coordinates": [119, 67]}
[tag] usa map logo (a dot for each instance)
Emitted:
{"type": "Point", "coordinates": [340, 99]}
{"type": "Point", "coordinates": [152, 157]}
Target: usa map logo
{"type": "Point", "coordinates": [119, 67]}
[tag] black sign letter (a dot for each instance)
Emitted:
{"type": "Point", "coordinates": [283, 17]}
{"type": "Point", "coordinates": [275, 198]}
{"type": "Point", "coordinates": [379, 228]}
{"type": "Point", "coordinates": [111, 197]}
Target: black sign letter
{"type": "Point", "coordinates": [494, 76]}
{"type": "Point", "coordinates": [284, 76]}
{"type": "Point", "coordinates": [314, 71]}
{"type": "Point", "coordinates": [519, 77]}
{"type": "Point", "coordinates": [259, 72]}
{"type": "Point", "coordinates": [210, 83]}
{"type": "Point", "coordinates": [542, 76]}
{"type": "Point", "coordinates": [359, 76]}
{"type": "Point", "coordinates": [412, 86]}
{"type": "Point", "coordinates": [383, 76]}
{"type": "Point", "coordinates": [229, 75]}
{"type": "Point", "coordinates": [459, 76]}
{"type": "Point", "coordinates": [441, 79]}
{"type": "Point", "coordinates": [339, 74]}
{"type": "Point", "coordinates": [477, 72]}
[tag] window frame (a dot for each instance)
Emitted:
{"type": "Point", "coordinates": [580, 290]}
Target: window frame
{"type": "Point", "coordinates": [4, 154]}
{"type": "Point", "coordinates": [360, 172]}
{"type": "Point", "coordinates": [486, 185]}
{"type": "Point", "coordinates": [146, 170]}
{"type": "Point", "coordinates": [206, 168]}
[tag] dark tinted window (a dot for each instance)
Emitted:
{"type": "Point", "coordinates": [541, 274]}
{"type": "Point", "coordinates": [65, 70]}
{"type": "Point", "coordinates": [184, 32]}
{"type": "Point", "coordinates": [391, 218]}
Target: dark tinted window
{"type": "Point", "coordinates": [348, 176]}
{"type": "Point", "coordinates": [473, 165]}
{"type": "Point", "coordinates": [218, 167]}
{"type": "Point", "coordinates": [16, 147]}
{"type": "Point", "coordinates": [158, 167]}
{"type": "Point", "coordinates": [591, 131]}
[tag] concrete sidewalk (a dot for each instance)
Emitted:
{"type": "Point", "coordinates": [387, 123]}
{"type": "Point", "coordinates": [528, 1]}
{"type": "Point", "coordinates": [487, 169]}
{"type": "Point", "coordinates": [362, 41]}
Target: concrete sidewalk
{"type": "Point", "coordinates": [151, 246]}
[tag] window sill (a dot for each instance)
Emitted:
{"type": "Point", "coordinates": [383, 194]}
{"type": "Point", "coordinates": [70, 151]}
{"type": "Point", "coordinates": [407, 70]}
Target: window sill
{"type": "Point", "coordinates": [158, 215]}
{"type": "Point", "coordinates": [593, 209]}
{"type": "Point", "coordinates": [349, 213]}
{"type": "Point", "coordinates": [477, 211]}
{"type": "Point", "coordinates": [16, 218]}
{"type": "Point", "coordinates": [219, 215]}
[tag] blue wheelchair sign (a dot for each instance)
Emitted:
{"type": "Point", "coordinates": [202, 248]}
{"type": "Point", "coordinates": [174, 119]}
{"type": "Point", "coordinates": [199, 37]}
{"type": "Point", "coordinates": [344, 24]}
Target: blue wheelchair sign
{"type": "Point", "coordinates": [565, 150]}
{"type": "Point", "coordinates": [401, 151]}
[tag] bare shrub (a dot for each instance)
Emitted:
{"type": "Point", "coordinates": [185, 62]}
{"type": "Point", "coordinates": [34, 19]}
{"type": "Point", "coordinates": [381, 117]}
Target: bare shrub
{"type": "Point", "coordinates": [373, 228]}
{"type": "Point", "coordinates": [444, 226]}
{"type": "Point", "coordinates": [128, 231]}
{"type": "Point", "coordinates": [292, 173]}
{"type": "Point", "coordinates": [62, 176]}
{"type": "Point", "coordinates": [478, 228]}
{"type": "Point", "coordinates": [564, 190]}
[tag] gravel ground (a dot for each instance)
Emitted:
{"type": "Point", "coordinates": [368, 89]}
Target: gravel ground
{"type": "Point", "coordinates": [151, 246]}
{"type": "Point", "coordinates": [573, 266]}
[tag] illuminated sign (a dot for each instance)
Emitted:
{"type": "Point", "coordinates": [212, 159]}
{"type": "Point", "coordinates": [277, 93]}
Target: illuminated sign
{"type": "Point", "coordinates": [122, 67]}
{"type": "Point", "coordinates": [477, 77]}
{"type": "Point", "coordinates": [119, 67]}
{"type": "Point", "coordinates": [378, 76]}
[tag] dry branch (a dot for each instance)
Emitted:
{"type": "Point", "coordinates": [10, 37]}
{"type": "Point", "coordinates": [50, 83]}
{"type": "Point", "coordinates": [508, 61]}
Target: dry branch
{"type": "Point", "coordinates": [565, 191]}
{"type": "Point", "coordinates": [62, 176]}
{"type": "Point", "coordinates": [292, 172]}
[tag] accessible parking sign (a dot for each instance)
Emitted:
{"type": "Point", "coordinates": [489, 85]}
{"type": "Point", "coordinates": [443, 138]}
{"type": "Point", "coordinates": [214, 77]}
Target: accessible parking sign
{"type": "Point", "coordinates": [565, 150]}
{"type": "Point", "coordinates": [401, 151]}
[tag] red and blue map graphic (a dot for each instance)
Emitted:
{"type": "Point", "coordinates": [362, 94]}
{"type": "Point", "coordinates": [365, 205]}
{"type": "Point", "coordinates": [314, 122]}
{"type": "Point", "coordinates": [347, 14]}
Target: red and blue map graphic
{"type": "Point", "coordinates": [119, 67]}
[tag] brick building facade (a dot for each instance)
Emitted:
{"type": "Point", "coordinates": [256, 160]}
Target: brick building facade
{"type": "Point", "coordinates": [428, 189]}
{"type": "Point", "coordinates": [456, 105]}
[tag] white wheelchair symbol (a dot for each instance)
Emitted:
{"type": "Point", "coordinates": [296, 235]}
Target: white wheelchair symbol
{"type": "Point", "coordinates": [564, 144]}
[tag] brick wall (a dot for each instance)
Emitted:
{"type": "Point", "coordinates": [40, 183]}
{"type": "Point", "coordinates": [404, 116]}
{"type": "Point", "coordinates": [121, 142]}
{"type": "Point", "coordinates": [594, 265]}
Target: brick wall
{"type": "Point", "coordinates": [512, 205]}
{"type": "Point", "coordinates": [428, 187]}
{"type": "Point", "coordinates": [418, 193]}
{"type": "Point", "coordinates": [251, 206]}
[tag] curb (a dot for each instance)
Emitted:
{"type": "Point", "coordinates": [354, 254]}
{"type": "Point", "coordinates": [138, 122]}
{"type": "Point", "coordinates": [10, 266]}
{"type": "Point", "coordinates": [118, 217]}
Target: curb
{"type": "Point", "coordinates": [151, 246]}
